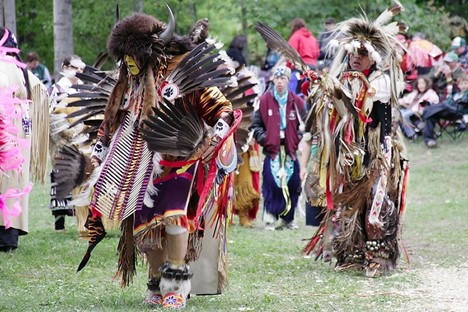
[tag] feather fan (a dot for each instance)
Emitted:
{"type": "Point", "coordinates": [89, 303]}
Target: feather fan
{"type": "Point", "coordinates": [199, 69]}
{"type": "Point", "coordinates": [69, 170]}
{"type": "Point", "coordinates": [174, 129]}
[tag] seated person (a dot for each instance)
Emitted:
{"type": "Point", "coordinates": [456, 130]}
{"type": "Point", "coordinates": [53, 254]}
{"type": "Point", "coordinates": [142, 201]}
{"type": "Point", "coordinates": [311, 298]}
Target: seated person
{"type": "Point", "coordinates": [453, 108]}
{"type": "Point", "coordinates": [443, 75]}
{"type": "Point", "coordinates": [412, 105]}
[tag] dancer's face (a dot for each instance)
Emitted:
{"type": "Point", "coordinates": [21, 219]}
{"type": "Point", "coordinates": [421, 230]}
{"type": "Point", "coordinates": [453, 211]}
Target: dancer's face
{"type": "Point", "coordinates": [132, 65]}
{"type": "Point", "coordinates": [360, 61]}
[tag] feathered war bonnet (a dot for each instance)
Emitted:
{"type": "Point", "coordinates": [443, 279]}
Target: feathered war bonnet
{"type": "Point", "coordinates": [145, 39]}
{"type": "Point", "coordinates": [377, 37]}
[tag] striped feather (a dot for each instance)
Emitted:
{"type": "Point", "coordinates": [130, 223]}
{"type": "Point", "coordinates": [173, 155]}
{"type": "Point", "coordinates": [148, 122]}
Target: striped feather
{"type": "Point", "coordinates": [122, 184]}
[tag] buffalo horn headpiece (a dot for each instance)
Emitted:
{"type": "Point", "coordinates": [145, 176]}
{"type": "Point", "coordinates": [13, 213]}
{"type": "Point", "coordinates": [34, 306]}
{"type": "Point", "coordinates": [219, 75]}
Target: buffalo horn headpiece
{"type": "Point", "coordinates": [141, 36]}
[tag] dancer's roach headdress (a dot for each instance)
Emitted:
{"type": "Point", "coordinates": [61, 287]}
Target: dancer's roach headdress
{"type": "Point", "coordinates": [377, 37]}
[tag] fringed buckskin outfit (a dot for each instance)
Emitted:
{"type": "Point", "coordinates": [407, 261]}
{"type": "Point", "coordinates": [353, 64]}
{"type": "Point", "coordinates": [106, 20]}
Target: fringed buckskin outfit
{"type": "Point", "coordinates": [23, 151]}
{"type": "Point", "coordinates": [150, 173]}
{"type": "Point", "coordinates": [247, 186]}
{"type": "Point", "coordinates": [363, 170]}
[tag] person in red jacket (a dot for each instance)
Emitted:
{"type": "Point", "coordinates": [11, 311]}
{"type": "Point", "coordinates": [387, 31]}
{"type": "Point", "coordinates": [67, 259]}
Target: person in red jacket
{"type": "Point", "coordinates": [306, 45]}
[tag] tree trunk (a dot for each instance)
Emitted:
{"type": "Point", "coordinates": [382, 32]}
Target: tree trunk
{"type": "Point", "coordinates": [139, 5]}
{"type": "Point", "coordinates": [192, 11]}
{"type": "Point", "coordinates": [8, 15]}
{"type": "Point", "coordinates": [63, 32]}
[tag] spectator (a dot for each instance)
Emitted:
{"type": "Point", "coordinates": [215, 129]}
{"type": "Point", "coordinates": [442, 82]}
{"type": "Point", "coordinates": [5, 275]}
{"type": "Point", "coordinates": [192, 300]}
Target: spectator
{"type": "Point", "coordinates": [445, 74]}
{"type": "Point", "coordinates": [453, 108]}
{"type": "Point", "coordinates": [236, 49]}
{"type": "Point", "coordinates": [271, 59]}
{"type": "Point", "coordinates": [460, 48]}
{"type": "Point", "coordinates": [412, 105]}
{"type": "Point", "coordinates": [410, 72]}
{"type": "Point", "coordinates": [326, 56]}
{"type": "Point", "coordinates": [275, 126]}
{"type": "Point", "coordinates": [422, 54]}
{"type": "Point", "coordinates": [306, 45]}
{"type": "Point", "coordinates": [38, 69]}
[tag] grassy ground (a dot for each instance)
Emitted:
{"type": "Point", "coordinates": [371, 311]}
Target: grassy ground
{"type": "Point", "coordinates": [266, 269]}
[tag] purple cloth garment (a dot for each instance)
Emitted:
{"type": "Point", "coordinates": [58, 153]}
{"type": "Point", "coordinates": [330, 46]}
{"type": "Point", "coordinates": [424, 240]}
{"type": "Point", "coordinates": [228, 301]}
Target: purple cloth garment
{"type": "Point", "coordinates": [273, 199]}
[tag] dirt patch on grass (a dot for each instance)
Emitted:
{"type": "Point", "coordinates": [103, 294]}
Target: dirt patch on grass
{"type": "Point", "coordinates": [440, 289]}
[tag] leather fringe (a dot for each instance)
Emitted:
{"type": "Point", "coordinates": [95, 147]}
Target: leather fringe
{"type": "Point", "coordinates": [194, 247]}
{"type": "Point", "coordinates": [39, 133]}
{"type": "Point", "coordinates": [127, 253]}
{"type": "Point", "coordinates": [246, 197]}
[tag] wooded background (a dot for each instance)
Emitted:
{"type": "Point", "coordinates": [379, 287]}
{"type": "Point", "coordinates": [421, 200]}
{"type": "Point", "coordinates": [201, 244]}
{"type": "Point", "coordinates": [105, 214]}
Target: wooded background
{"type": "Point", "coordinates": [58, 28]}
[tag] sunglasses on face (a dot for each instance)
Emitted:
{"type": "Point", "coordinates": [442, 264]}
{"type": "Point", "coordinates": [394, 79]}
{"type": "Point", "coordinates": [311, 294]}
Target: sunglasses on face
{"type": "Point", "coordinates": [363, 52]}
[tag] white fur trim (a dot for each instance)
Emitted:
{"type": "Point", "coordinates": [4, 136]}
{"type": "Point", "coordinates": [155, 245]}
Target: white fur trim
{"type": "Point", "coordinates": [356, 44]}
{"type": "Point", "coordinates": [307, 136]}
{"type": "Point", "coordinates": [348, 47]}
{"type": "Point", "coordinates": [181, 287]}
{"type": "Point", "coordinates": [376, 57]}
{"type": "Point", "coordinates": [334, 43]}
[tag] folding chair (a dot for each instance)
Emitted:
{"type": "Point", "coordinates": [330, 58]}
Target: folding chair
{"type": "Point", "coordinates": [454, 127]}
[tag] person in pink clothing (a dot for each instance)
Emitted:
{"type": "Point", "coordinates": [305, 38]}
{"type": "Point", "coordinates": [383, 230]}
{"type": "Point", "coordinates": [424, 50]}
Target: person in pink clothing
{"type": "Point", "coordinates": [306, 45]}
{"type": "Point", "coordinates": [412, 106]}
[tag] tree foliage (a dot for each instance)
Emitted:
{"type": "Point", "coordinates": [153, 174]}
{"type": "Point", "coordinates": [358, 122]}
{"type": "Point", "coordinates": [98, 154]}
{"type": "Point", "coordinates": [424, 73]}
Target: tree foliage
{"type": "Point", "coordinates": [93, 20]}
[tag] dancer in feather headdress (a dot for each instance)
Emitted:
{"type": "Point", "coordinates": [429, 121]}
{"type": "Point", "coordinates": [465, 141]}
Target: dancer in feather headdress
{"type": "Point", "coordinates": [362, 170]}
{"type": "Point", "coordinates": [165, 154]}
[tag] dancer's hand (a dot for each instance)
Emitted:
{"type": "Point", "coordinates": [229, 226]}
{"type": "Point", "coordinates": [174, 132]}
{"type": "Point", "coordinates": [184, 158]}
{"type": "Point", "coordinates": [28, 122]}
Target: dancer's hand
{"type": "Point", "coordinates": [209, 153]}
{"type": "Point", "coordinates": [95, 161]}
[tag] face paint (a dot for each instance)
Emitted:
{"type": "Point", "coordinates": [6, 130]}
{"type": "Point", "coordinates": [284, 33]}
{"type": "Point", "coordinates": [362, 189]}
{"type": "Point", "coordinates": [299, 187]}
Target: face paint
{"type": "Point", "coordinates": [131, 64]}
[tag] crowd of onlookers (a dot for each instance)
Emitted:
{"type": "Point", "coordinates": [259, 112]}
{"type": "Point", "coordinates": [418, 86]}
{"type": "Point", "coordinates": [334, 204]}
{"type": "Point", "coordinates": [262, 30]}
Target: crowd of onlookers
{"type": "Point", "coordinates": [437, 88]}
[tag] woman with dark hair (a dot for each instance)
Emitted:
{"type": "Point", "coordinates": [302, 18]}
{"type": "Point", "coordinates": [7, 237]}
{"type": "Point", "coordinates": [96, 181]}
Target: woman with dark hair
{"type": "Point", "coordinates": [412, 105]}
{"type": "Point", "coordinates": [236, 49]}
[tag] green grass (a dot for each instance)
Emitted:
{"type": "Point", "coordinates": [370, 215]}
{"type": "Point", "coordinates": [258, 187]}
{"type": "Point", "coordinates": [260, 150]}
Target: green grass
{"type": "Point", "coordinates": [266, 269]}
